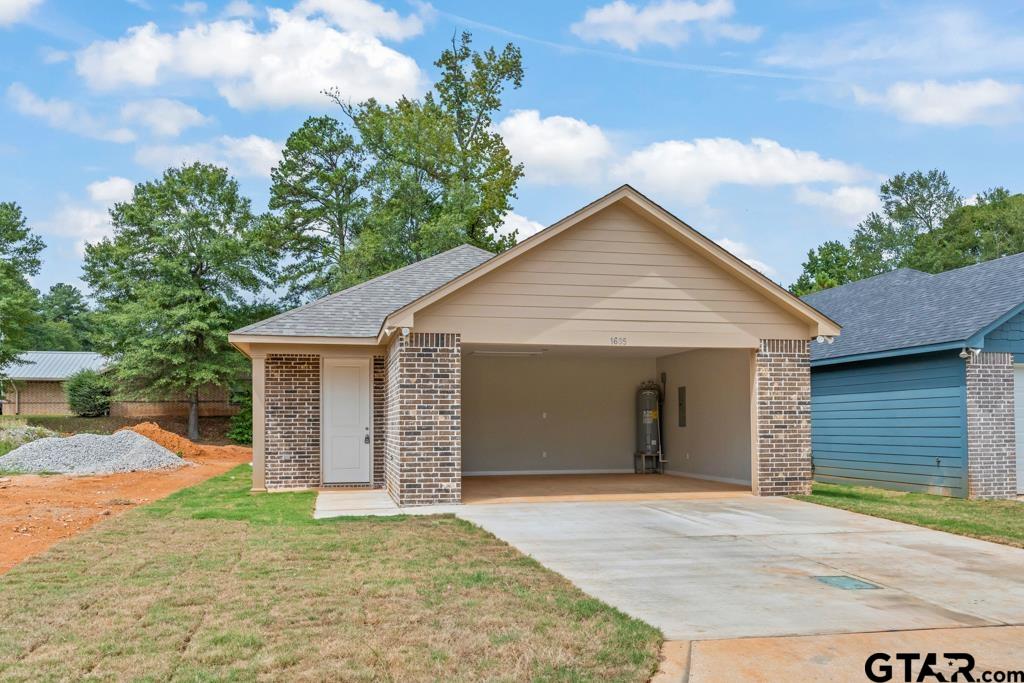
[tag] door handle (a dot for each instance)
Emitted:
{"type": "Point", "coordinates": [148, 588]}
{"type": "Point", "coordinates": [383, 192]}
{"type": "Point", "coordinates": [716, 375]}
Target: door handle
{"type": "Point", "coordinates": [366, 438]}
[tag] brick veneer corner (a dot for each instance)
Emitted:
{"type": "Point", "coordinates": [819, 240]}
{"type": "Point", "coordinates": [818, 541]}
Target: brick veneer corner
{"type": "Point", "coordinates": [292, 419]}
{"type": "Point", "coordinates": [423, 444]}
{"type": "Point", "coordinates": [380, 378]}
{"type": "Point", "coordinates": [991, 438]}
{"type": "Point", "coordinates": [783, 418]}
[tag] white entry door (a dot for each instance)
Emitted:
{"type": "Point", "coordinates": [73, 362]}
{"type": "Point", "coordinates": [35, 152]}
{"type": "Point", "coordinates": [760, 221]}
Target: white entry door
{"type": "Point", "coordinates": [346, 421]}
{"type": "Point", "coordinates": [1018, 402]}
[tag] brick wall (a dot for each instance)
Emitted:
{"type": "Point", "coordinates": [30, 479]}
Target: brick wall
{"type": "Point", "coordinates": [783, 417]}
{"type": "Point", "coordinates": [37, 398]}
{"type": "Point", "coordinates": [292, 419]}
{"type": "Point", "coordinates": [991, 441]}
{"type": "Point", "coordinates": [423, 461]}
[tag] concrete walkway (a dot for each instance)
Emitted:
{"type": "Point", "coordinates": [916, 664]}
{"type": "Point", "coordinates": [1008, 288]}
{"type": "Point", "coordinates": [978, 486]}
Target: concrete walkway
{"type": "Point", "coordinates": [746, 567]}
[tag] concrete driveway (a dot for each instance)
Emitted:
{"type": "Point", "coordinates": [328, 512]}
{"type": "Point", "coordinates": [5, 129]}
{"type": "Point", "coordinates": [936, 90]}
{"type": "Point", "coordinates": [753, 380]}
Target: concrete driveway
{"type": "Point", "coordinates": [742, 567]}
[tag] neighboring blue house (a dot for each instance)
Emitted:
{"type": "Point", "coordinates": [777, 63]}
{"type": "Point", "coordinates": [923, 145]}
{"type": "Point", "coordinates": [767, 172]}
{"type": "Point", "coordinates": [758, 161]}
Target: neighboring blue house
{"type": "Point", "coordinates": [918, 392]}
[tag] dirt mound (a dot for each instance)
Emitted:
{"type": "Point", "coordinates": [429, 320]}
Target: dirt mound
{"type": "Point", "coordinates": [169, 440]}
{"type": "Point", "coordinates": [188, 449]}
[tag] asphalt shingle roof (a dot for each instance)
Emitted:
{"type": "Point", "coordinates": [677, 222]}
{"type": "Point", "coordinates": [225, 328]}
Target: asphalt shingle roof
{"type": "Point", "coordinates": [360, 311]}
{"type": "Point", "coordinates": [907, 308]}
{"type": "Point", "coordinates": [53, 365]}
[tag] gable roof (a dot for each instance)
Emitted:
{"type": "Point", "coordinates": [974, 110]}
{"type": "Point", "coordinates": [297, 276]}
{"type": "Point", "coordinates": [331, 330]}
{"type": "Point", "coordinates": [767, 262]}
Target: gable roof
{"type": "Point", "coordinates": [53, 366]}
{"type": "Point", "coordinates": [909, 311]}
{"type": "Point", "coordinates": [359, 311]}
{"type": "Point", "coordinates": [701, 244]}
{"type": "Point", "coordinates": [365, 313]}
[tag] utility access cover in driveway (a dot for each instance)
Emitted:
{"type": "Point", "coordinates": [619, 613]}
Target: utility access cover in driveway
{"type": "Point", "coordinates": [701, 569]}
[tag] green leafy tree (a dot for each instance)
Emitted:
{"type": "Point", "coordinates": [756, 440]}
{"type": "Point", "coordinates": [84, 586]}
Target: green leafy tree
{"type": "Point", "coordinates": [913, 204]}
{"type": "Point", "coordinates": [88, 393]}
{"type": "Point", "coordinates": [19, 260]}
{"type": "Point", "coordinates": [185, 251]}
{"type": "Point", "coordinates": [825, 267]}
{"type": "Point", "coordinates": [316, 191]}
{"type": "Point", "coordinates": [437, 173]}
{"type": "Point", "coordinates": [64, 321]}
{"type": "Point", "coordinates": [991, 228]}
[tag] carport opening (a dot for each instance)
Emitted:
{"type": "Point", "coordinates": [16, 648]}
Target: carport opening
{"type": "Point", "coordinates": [560, 423]}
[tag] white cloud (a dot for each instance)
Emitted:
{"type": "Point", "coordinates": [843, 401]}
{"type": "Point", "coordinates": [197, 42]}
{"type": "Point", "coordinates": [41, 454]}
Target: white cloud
{"type": "Point", "coordinates": [926, 40]}
{"type": "Point", "coordinates": [850, 201]}
{"type": "Point", "coordinates": [253, 154]}
{"type": "Point", "coordinates": [164, 117]}
{"type": "Point", "coordinates": [88, 222]}
{"type": "Point", "coordinates": [112, 190]}
{"type": "Point", "coordinates": [84, 224]}
{"type": "Point", "coordinates": [744, 252]}
{"type": "Point", "coordinates": [667, 22]}
{"type": "Point", "coordinates": [555, 149]}
{"type": "Point", "coordinates": [691, 170]}
{"type": "Point", "coordinates": [64, 115]}
{"type": "Point", "coordinates": [245, 156]}
{"type": "Point", "coordinates": [240, 9]}
{"type": "Point", "coordinates": [289, 64]}
{"type": "Point", "coordinates": [363, 16]}
{"type": "Point", "coordinates": [12, 11]}
{"type": "Point", "coordinates": [951, 104]}
{"type": "Point", "coordinates": [54, 56]}
{"type": "Point", "coordinates": [192, 8]}
{"type": "Point", "coordinates": [523, 225]}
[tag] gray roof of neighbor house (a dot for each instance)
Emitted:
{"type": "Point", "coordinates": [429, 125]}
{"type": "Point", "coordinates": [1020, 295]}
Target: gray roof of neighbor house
{"type": "Point", "coordinates": [907, 308]}
{"type": "Point", "coordinates": [360, 311]}
{"type": "Point", "coordinates": [53, 365]}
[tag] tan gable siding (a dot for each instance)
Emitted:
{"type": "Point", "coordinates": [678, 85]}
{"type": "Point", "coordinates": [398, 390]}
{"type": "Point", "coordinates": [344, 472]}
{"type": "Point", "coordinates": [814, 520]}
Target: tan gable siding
{"type": "Point", "coordinates": [613, 275]}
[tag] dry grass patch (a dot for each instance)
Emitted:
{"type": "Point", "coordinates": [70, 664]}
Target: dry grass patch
{"type": "Point", "coordinates": [216, 583]}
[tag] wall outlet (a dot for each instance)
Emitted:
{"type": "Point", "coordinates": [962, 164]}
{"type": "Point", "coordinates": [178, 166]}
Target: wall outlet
{"type": "Point", "coordinates": [687, 455]}
{"type": "Point", "coordinates": [544, 454]}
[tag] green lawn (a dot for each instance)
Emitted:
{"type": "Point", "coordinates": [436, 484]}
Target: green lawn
{"type": "Point", "coordinates": [215, 583]}
{"type": "Point", "coordinates": [1001, 521]}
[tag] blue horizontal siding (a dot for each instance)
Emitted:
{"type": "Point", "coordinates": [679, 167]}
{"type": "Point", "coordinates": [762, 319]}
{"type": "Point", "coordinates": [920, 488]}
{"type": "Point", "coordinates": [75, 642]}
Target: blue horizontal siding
{"type": "Point", "coordinates": [895, 423]}
{"type": "Point", "coordinates": [1008, 338]}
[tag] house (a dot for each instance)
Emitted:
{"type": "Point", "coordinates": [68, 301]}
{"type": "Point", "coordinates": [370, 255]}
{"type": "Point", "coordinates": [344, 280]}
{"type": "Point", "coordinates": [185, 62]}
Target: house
{"type": "Point", "coordinates": [528, 362]}
{"type": "Point", "coordinates": [924, 390]}
{"type": "Point", "coordinates": [34, 385]}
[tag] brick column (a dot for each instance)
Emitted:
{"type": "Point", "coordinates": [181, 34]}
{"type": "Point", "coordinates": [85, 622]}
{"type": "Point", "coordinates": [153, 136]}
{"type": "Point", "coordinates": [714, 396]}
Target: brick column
{"type": "Point", "coordinates": [292, 421]}
{"type": "Point", "coordinates": [783, 439]}
{"type": "Point", "coordinates": [991, 438]}
{"type": "Point", "coordinates": [380, 388]}
{"type": "Point", "coordinates": [423, 446]}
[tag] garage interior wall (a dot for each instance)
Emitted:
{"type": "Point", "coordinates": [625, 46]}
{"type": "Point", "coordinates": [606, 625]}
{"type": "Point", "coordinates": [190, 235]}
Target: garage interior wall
{"type": "Point", "coordinates": [553, 412]}
{"type": "Point", "coordinates": [715, 443]}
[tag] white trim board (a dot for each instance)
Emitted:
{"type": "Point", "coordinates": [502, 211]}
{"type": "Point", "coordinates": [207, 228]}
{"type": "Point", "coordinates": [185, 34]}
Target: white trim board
{"type": "Point", "coordinates": [708, 477]}
{"type": "Point", "coordinates": [509, 473]}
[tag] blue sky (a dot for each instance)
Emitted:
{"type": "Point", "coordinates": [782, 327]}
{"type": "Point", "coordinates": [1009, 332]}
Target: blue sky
{"type": "Point", "coordinates": [767, 126]}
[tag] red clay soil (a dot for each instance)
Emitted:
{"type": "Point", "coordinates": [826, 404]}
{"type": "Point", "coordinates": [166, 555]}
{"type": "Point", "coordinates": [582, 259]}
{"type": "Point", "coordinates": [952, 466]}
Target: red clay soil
{"type": "Point", "coordinates": [38, 511]}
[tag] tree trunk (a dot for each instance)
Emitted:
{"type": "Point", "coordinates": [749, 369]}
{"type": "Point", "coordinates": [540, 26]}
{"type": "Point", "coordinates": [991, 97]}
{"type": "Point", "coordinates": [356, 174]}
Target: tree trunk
{"type": "Point", "coordinates": [193, 416]}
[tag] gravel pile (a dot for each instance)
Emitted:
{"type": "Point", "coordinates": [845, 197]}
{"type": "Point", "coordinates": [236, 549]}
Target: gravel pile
{"type": "Point", "coordinates": [21, 434]}
{"type": "Point", "coordinates": [124, 451]}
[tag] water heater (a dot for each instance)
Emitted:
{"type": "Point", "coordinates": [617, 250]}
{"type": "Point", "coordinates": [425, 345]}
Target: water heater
{"type": "Point", "coordinates": [648, 428]}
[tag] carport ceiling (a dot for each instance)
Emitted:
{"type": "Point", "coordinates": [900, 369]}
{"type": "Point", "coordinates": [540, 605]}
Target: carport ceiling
{"type": "Point", "coordinates": [526, 351]}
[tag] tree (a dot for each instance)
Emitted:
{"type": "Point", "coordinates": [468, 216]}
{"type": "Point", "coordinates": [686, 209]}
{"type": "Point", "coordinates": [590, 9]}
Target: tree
{"type": "Point", "coordinates": [316, 189]}
{"type": "Point", "coordinates": [19, 260]}
{"type": "Point", "coordinates": [825, 267]}
{"type": "Point", "coordinates": [88, 393]}
{"type": "Point", "coordinates": [913, 204]}
{"type": "Point", "coordinates": [991, 228]}
{"type": "Point", "coordinates": [64, 321]}
{"type": "Point", "coordinates": [437, 174]}
{"type": "Point", "coordinates": [185, 251]}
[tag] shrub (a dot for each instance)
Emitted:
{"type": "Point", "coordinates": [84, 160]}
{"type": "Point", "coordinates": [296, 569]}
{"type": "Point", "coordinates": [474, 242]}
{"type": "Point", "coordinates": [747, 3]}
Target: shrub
{"type": "Point", "coordinates": [240, 428]}
{"type": "Point", "coordinates": [88, 393]}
